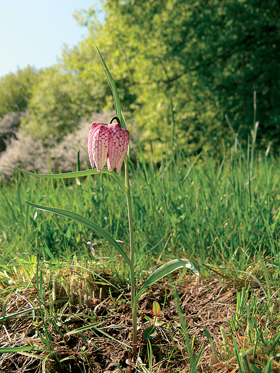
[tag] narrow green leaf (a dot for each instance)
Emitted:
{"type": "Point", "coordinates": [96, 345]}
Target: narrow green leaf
{"type": "Point", "coordinates": [165, 270]}
{"type": "Point", "coordinates": [117, 365]}
{"type": "Point", "coordinates": [17, 314]}
{"type": "Point", "coordinates": [84, 328]}
{"type": "Point", "coordinates": [275, 220]}
{"type": "Point", "coordinates": [206, 331]}
{"type": "Point", "coordinates": [84, 221]}
{"type": "Point", "coordinates": [114, 339]}
{"type": "Point", "coordinates": [71, 175]}
{"type": "Point", "coordinates": [33, 356]}
{"type": "Point", "coordinates": [114, 91]}
{"type": "Point", "coordinates": [186, 334]}
{"type": "Point", "coordinates": [199, 356]}
{"type": "Point", "coordinates": [255, 369]}
{"type": "Point", "coordinates": [8, 203]}
{"type": "Point", "coordinates": [276, 341]}
{"type": "Point", "coordinates": [5, 350]}
{"type": "Point", "coordinates": [237, 355]}
{"type": "Point", "coordinates": [268, 367]}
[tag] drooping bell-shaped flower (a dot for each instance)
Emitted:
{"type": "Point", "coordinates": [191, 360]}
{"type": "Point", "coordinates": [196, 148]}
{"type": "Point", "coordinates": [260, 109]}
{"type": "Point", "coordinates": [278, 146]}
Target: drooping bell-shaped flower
{"type": "Point", "coordinates": [107, 143]}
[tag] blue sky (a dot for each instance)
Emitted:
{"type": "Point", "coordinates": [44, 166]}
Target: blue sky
{"type": "Point", "coordinates": [33, 32]}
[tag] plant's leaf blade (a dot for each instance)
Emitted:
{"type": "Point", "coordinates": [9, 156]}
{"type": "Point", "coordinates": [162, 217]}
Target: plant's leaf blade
{"type": "Point", "coordinates": [275, 220]}
{"type": "Point", "coordinates": [254, 278]}
{"type": "Point", "coordinates": [84, 221]}
{"type": "Point", "coordinates": [199, 356]}
{"type": "Point", "coordinates": [33, 356]}
{"type": "Point", "coordinates": [268, 367]}
{"type": "Point", "coordinates": [8, 350]}
{"type": "Point", "coordinates": [165, 270]}
{"type": "Point", "coordinates": [114, 91]}
{"type": "Point", "coordinates": [67, 175]}
{"type": "Point", "coordinates": [149, 332]}
{"type": "Point", "coordinates": [255, 369]}
{"type": "Point", "coordinates": [237, 355]}
{"type": "Point", "coordinates": [114, 339]}
{"type": "Point", "coordinates": [122, 371]}
{"type": "Point", "coordinates": [208, 335]}
{"type": "Point", "coordinates": [186, 334]}
{"type": "Point", "coordinates": [71, 175]}
{"type": "Point", "coordinates": [18, 313]}
{"type": "Point", "coordinates": [84, 328]}
{"type": "Point", "coordinates": [156, 308]}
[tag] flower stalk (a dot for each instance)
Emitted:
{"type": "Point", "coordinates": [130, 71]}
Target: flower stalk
{"type": "Point", "coordinates": [109, 144]}
{"type": "Point", "coordinates": [132, 253]}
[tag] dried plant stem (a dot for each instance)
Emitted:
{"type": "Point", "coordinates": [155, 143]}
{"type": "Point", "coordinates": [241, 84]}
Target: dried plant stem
{"type": "Point", "coordinates": [132, 251]}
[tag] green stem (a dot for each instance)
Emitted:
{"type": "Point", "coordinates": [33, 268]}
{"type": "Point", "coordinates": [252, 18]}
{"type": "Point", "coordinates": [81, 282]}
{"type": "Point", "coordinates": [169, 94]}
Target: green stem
{"type": "Point", "coordinates": [132, 251]}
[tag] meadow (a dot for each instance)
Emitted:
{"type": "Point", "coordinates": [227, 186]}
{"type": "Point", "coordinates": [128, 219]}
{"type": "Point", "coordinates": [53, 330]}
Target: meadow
{"type": "Point", "coordinates": [65, 291]}
{"type": "Point", "coordinates": [172, 265]}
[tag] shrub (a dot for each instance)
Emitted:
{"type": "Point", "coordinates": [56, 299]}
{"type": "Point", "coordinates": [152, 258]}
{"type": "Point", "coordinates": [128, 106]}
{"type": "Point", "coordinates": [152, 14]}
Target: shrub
{"type": "Point", "coordinates": [32, 155]}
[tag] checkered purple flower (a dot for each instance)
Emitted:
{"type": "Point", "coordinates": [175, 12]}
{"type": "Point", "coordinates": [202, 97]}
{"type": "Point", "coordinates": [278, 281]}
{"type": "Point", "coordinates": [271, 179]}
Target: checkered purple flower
{"type": "Point", "coordinates": [107, 143]}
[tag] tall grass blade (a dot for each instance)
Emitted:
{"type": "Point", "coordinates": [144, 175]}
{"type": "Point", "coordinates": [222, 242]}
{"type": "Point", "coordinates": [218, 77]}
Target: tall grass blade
{"type": "Point", "coordinates": [9, 350]}
{"type": "Point", "coordinates": [12, 315]}
{"type": "Point", "coordinates": [84, 328]}
{"type": "Point", "coordinates": [268, 368]}
{"type": "Point", "coordinates": [237, 356]}
{"type": "Point", "coordinates": [193, 362]}
{"type": "Point", "coordinates": [172, 131]}
{"type": "Point", "coordinates": [9, 205]}
{"type": "Point", "coordinates": [255, 369]}
{"type": "Point", "coordinates": [144, 164]}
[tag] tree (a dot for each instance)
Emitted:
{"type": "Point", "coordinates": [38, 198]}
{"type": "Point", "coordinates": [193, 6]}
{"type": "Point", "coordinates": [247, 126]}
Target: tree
{"type": "Point", "coordinates": [209, 56]}
{"type": "Point", "coordinates": [16, 90]}
{"type": "Point", "coordinates": [59, 101]}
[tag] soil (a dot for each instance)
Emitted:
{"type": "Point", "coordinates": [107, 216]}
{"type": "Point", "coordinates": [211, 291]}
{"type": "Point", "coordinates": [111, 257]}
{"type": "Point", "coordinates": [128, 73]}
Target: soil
{"type": "Point", "coordinates": [105, 346]}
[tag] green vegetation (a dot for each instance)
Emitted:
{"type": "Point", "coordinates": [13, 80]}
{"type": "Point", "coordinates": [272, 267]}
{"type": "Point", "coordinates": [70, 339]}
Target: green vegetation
{"type": "Point", "coordinates": [222, 216]}
{"type": "Point", "coordinates": [203, 59]}
{"type": "Point", "coordinates": [16, 90]}
{"type": "Point", "coordinates": [55, 114]}
{"type": "Point", "coordinates": [208, 56]}
{"type": "Point", "coordinates": [196, 202]}
{"type": "Point", "coordinates": [204, 189]}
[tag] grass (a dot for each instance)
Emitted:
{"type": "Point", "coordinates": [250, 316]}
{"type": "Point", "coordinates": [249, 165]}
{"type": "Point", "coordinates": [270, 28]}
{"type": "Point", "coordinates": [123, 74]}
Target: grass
{"type": "Point", "coordinates": [63, 286]}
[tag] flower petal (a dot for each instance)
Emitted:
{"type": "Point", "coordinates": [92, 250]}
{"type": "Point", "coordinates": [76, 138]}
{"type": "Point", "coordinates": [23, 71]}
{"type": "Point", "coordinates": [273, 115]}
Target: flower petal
{"type": "Point", "coordinates": [94, 127]}
{"type": "Point", "coordinates": [118, 144]}
{"type": "Point", "coordinates": [98, 145]}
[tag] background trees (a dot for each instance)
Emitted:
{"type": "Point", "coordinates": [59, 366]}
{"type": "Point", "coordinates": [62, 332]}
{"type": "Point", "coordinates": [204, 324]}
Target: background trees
{"type": "Point", "coordinates": [204, 58]}
{"type": "Point", "coordinates": [209, 56]}
{"type": "Point", "coordinates": [16, 90]}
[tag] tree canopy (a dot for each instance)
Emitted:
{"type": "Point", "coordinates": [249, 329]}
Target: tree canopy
{"type": "Point", "coordinates": [208, 56]}
{"type": "Point", "coordinates": [16, 90]}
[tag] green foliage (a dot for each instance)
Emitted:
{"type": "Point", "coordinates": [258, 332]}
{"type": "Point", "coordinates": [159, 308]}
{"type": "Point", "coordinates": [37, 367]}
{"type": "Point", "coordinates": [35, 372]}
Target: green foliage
{"type": "Point", "coordinates": [220, 215]}
{"type": "Point", "coordinates": [208, 56]}
{"type": "Point", "coordinates": [58, 103]}
{"type": "Point", "coordinates": [16, 90]}
{"type": "Point", "coordinates": [199, 60]}
{"type": "Point", "coordinates": [207, 211]}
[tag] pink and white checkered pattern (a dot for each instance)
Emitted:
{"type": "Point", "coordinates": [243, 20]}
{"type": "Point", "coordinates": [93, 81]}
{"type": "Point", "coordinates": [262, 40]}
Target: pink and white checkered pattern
{"type": "Point", "coordinates": [107, 143]}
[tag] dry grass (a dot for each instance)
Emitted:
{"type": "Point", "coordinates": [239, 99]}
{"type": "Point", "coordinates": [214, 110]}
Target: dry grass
{"type": "Point", "coordinates": [105, 347]}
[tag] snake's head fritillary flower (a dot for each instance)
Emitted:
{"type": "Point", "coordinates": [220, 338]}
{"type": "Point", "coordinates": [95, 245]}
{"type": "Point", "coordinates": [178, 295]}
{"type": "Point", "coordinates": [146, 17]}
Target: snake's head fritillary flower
{"type": "Point", "coordinates": [107, 143]}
